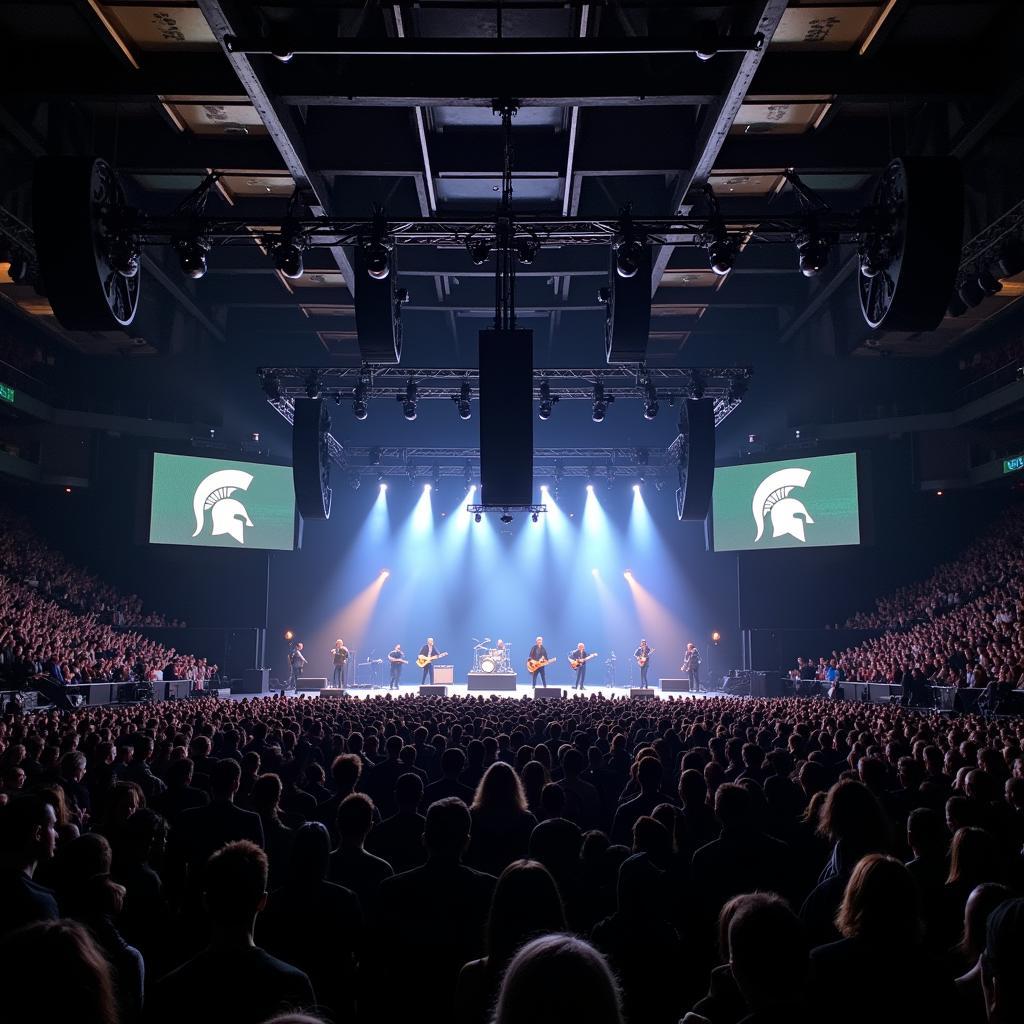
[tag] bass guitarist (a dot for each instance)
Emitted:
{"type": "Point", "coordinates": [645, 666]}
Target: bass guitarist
{"type": "Point", "coordinates": [578, 659]}
{"type": "Point", "coordinates": [643, 659]}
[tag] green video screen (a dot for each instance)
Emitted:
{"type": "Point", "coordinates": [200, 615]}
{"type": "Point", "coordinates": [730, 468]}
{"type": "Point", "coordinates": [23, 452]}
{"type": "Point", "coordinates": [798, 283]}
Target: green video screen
{"type": "Point", "coordinates": [221, 503]}
{"type": "Point", "coordinates": [798, 503]}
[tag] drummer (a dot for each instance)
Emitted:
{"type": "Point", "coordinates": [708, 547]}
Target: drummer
{"type": "Point", "coordinates": [500, 655]}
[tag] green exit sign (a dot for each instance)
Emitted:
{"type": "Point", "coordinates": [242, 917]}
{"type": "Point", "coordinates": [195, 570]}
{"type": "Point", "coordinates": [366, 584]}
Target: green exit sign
{"type": "Point", "coordinates": [1014, 464]}
{"type": "Point", "coordinates": [6, 393]}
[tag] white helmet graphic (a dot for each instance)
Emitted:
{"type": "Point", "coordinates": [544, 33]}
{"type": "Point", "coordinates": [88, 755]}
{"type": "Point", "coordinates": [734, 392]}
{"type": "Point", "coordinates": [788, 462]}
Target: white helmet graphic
{"type": "Point", "coordinates": [229, 514]}
{"type": "Point", "coordinates": [772, 495]}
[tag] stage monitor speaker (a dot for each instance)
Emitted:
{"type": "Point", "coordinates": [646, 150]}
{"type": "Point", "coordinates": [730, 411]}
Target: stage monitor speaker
{"type": "Point", "coordinates": [642, 694]}
{"type": "Point", "coordinates": [674, 685]}
{"type": "Point", "coordinates": [492, 680]}
{"type": "Point", "coordinates": [378, 312]}
{"type": "Point", "coordinates": [220, 694]}
{"type": "Point", "coordinates": [548, 693]}
{"type": "Point", "coordinates": [254, 680]}
{"type": "Point", "coordinates": [433, 691]}
{"type": "Point", "coordinates": [696, 459]}
{"type": "Point", "coordinates": [628, 320]}
{"type": "Point", "coordinates": [178, 689]}
{"type": "Point", "coordinates": [332, 692]}
{"type": "Point", "coordinates": [506, 418]}
{"type": "Point", "coordinates": [311, 461]}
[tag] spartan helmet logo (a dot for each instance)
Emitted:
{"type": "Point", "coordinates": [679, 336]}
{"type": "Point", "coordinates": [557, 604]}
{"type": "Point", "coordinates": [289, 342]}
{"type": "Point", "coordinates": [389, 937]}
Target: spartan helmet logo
{"type": "Point", "coordinates": [772, 496]}
{"type": "Point", "coordinates": [229, 514]}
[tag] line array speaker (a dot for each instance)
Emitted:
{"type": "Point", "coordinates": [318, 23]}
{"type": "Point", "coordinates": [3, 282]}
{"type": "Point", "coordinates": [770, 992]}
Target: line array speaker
{"type": "Point", "coordinates": [628, 321]}
{"type": "Point", "coordinates": [311, 463]}
{"type": "Point", "coordinates": [506, 417]}
{"type": "Point", "coordinates": [696, 459]}
{"type": "Point", "coordinates": [378, 313]}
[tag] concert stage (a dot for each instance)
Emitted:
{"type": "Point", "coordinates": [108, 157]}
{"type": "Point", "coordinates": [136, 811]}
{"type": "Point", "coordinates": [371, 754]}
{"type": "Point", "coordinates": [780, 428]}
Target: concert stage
{"type": "Point", "coordinates": [522, 691]}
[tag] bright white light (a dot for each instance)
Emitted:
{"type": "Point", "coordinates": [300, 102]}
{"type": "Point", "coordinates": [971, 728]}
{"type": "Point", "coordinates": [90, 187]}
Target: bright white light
{"type": "Point", "coordinates": [594, 571]}
{"type": "Point", "coordinates": [628, 574]}
{"type": "Point", "coordinates": [590, 488]}
{"type": "Point", "coordinates": [383, 487]}
{"type": "Point", "coordinates": [427, 487]}
{"type": "Point", "coordinates": [636, 488]}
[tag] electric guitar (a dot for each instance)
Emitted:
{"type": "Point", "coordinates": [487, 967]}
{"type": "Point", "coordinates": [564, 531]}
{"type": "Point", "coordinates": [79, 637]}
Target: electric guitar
{"type": "Point", "coordinates": [422, 660]}
{"type": "Point", "coordinates": [533, 666]}
{"type": "Point", "coordinates": [576, 662]}
{"type": "Point", "coordinates": [644, 658]}
{"type": "Point", "coordinates": [400, 661]}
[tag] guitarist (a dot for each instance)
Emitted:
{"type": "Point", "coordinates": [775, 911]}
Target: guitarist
{"type": "Point", "coordinates": [538, 652]}
{"type": "Point", "coordinates": [579, 655]}
{"type": "Point", "coordinates": [643, 659]}
{"type": "Point", "coordinates": [396, 659]}
{"type": "Point", "coordinates": [691, 666]}
{"type": "Point", "coordinates": [428, 650]}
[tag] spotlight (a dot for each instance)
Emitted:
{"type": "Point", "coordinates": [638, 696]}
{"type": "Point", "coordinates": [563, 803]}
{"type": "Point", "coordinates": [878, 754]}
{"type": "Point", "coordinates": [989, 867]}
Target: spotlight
{"type": "Point", "coordinates": [593, 572]}
{"type": "Point", "coordinates": [547, 403]}
{"type": "Point", "coordinates": [659, 485]}
{"type": "Point", "coordinates": [359, 407]}
{"type": "Point", "coordinates": [289, 635]}
{"type": "Point", "coordinates": [651, 403]}
{"type": "Point", "coordinates": [989, 283]}
{"type": "Point", "coordinates": [696, 386]}
{"type": "Point", "coordinates": [409, 402]}
{"type": "Point", "coordinates": [375, 454]}
{"type": "Point", "coordinates": [426, 488]}
{"type": "Point", "coordinates": [535, 517]}
{"type": "Point", "coordinates": [356, 481]}
{"type": "Point", "coordinates": [628, 574]}
{"type": "Point", "coordinates": [506, 517]}
{"type": "Point", "coordinates": [722, 253]}
{"type": "Point", "coordinates": [479, 252]}
{"type": "Point", "coordinates": [378, 262]}
{"type": "Point", "coordinates": [590, 488]}
{"type": "Point", "coordinates": [313, 385]}
{"type": "Point", "coordinates": [628, 254]}
{"type": "Point", "coordinates": [463, 401]}
{"type": "Point", "coordinates": [970, 292]}
{"type": "Point", "coordinates": [527, 249]}
{"type": "Point", "coordinates": [812, 254]}
{"type": "Point", "coordinates": [707, 40]}
{"type": "Point", "coordinates": [478, 517]}
{"type": "Point", "coordinates": [715, 637]}
{"type": "Point", "coordinates": [385, 573]}
{"type": "Point", "coordinates": [383, 487]}
{"type": "Point", "coordinates": [192, 256]}
{"type": "Point", "coordinates": [435, 475]}
{"type": "Point", "coordinates": [604, 295]}
{"type": "Point", "coordinates": [737, 388]}
{"type": "Point", "coordinates": [600, 403]}
{"type": "Point", "coordinates": [123, 254]}
{"type": "Point", "coordinates": [467, 474]}
{"type": "Point", "coordinates": [1011, 260]}
{"type": "Point", "coordinates": [636, 488]}
{"type": "Point", "coordinates": [288, 259]}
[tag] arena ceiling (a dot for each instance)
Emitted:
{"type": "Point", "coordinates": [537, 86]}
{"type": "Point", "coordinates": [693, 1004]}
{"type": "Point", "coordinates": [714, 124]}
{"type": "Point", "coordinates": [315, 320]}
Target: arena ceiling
{"type": "Point", "coordinates": [363, 103]}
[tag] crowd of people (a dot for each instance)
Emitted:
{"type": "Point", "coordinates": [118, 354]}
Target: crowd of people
{"type": "Point", "coordinates": [960, 627]}
{"type": "Point", "coordinates": [60, 624]}
{"type": "Point", "coordinates": [489, 859]}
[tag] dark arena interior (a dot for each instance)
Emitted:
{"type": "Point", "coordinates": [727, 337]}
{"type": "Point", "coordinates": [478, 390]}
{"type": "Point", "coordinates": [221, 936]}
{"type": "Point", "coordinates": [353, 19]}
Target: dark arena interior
{"type": "Point", "coordinates": [511, 512]}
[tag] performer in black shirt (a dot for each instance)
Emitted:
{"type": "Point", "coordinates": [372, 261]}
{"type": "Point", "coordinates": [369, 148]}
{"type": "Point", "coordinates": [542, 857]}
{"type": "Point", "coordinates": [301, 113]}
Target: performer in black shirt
{"type": "Point", "coordinates": [396, 659]}
{"type": "Point", "coordinates": [691, 666]}
{"type": "Point", "coordinates": [643, 659]}
{"type": "Point", "coordinates": [428, 650]}
{"type": "Point", "coordinates": [538, 652]}
{"type": "Point", "coordinates": [579, 655]}
{"type": "Point", "coordinates": [297, 661]}
{"type": "Point", "coordinates": [340, 654]}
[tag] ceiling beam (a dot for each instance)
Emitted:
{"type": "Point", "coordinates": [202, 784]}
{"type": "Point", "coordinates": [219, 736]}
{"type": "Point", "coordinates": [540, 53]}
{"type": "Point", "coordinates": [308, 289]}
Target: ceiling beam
{"type": "Point", "coordinates": [281, 126]}
{"type": "Point", "coordinates": [716, 123]}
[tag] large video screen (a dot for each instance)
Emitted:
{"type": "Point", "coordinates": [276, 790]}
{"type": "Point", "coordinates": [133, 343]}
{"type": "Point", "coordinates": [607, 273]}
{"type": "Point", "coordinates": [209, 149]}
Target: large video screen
{"type": "Point", "coordinates": [798, 503]}
{"type": "Point", "coordinates": [221, 503]}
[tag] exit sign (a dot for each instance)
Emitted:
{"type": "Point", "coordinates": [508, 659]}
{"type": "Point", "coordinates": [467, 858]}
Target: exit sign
{"type": "Point", "coordinates": [1014, 464]}
{"type": "Point", "coordinates": [6, 393]}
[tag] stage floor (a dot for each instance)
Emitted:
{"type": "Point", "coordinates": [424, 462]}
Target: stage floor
{"type": "Point", "coordinates": [521, 692]}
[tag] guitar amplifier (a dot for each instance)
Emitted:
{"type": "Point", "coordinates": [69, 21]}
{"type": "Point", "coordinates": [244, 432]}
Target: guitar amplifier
{"type": "Point", "coordinates": [444, 675]}
{"type": "Point", "coordinates": [433, 691]}
{"type": "Point", "coordinates": [642, 694]}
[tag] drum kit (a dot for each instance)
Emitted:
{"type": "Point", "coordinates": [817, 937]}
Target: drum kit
{"type": "Point", "coordinates": [491, 660]}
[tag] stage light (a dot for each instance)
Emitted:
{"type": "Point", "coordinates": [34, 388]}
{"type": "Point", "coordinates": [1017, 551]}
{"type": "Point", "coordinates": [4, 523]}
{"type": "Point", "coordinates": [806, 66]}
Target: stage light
{"type": "Point", "coordinates": [593, 572]}
{"type": "Point", "coordinates": [628, 254]}
{"type": "Point", "coordinates": [409, 403]}
{"type": "Point", "coordinates": [435, 475]}
{"type": "Point", "coordinates": [375, 454]}
{"type": "Point", "coordinates": [356, 481]}
{"type": "Point", "coordinates": [385, 573]}
{"type": "Point", "coordinates": [506, 517]}
{"type": "Point", "coordinates": [590, 488]}
{"type": "Point", "coordinates": [192, 256]}
{"type": "Point", "coordinates": [601, 402]}
{"type": "Point", "coordinates": [715, 637]}
{"type": "Point", "coordinates": [696, 386]}
{"type": "Point", "coordinates": [67, 490]}
{"type": "Point", "coordinates": [359, 407]}
{"type": "Point", "coordinates": [722, 254]}
{"type": "Point", "coordinates": [628, 574]}
{"type": "Point", "coordinates": [989, 283]}
{"type": "Point", "coordinates": [812, 254]}
{"type": "Point", "coordinates": [737, 388]}
{"type": "Point", "coordinates": [272, 387]}
{"type": "Point", "coordinates": [313, 385]}
{"type": "Point", "coordinates": [383, 487]}
{"type": "Point", "coordinates": [480, 252]}
{"type": "Point", "coordinates": [478, 517]}
{"type": "Point", "coordinates": [651, 403]}
{"type": "Point", "coordinates": [527, 249]}
{"type": "Point", "coordinates": [463, 400]}
{"type": "Point", "coordinates": [970, 292]}
{"type": "Point", "coordinates": [426, 487]}
{"type": "Point", "coordinates": [378, 262]}
{"type": "Point", "coordinates": [288, 259]}
{"type": "Point", "coordinates": [289, 635]}
{"type": "Point", "coordinates": [636, 488]}
{"type": "Point", "coordinates": [535, 517]}
{"type": "Point", "coordinates": [547, 403]}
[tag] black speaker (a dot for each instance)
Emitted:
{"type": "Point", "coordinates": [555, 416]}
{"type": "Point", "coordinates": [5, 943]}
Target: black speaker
{"type": "Point", "coordinates": [254, 680]}
{"type": "Point", "coordinates": [506, 417]}
{"type": "Point", "coordinates": [696, 459]}
{"type": "Point", "coordinates": [378, 313]}
{"type": "Point", "coordinates": [646, 693]}
{"type": "Point", "coordinates": [311, 463]}
{"type": "Point", "coordinates": [628, 323]}
{"type": "Point", "coordinates": [433, 691]}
